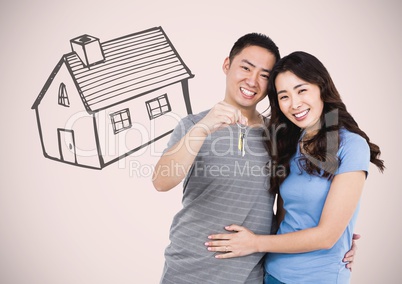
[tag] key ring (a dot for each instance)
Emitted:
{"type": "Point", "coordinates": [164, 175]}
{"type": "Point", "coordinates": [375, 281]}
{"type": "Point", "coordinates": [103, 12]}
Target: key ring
{"type": "Point", "coordinates": [241, 126]}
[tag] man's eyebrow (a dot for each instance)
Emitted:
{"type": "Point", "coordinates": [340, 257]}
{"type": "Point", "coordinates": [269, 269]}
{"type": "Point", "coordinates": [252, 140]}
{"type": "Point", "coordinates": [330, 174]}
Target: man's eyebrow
{"type": "Point", "coordinates": [248, 62]}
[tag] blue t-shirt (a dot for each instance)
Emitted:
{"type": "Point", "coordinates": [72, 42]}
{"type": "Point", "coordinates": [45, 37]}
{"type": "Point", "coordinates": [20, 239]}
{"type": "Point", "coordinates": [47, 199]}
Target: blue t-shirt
{"type": "Point", "coordinates": [304, 196]}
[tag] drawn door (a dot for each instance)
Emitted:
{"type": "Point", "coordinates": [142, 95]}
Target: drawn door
{"type": "Point", "coordinates": [67, 145]}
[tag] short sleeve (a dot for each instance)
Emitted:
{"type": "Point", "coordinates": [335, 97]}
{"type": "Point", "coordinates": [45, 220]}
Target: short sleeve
{"type": "Point", "coordinates": [354, 153]}
{"type": "Point", "coordinates": [179, 131]}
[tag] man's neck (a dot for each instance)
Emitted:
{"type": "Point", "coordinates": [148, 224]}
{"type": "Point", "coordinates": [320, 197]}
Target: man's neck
{"type": "Point", "coordinates": [255, 118]}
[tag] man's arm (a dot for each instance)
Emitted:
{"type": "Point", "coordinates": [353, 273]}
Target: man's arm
{"type": "Point", "coordinates": [174, 164]}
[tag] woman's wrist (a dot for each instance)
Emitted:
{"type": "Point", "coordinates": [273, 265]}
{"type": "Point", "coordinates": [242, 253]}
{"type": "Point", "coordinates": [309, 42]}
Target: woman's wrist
{"type": "Point", "coordinates": [258, 243]}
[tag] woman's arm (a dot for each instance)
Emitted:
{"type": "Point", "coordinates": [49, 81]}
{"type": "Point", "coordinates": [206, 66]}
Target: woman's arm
{"type": "Point", "coordinates": [340, 205]}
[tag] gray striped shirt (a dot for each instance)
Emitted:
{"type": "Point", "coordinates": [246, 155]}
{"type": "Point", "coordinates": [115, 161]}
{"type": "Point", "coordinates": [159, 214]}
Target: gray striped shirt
{"type": "Point", "coordinates": [223, 188]}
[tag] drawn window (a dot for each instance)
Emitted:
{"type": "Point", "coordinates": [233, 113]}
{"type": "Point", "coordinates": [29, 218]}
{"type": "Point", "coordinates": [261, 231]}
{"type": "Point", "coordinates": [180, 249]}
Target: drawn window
{"type": "Point", "coordinates": [63, 97]}
{"type": "Point", "coordinates": [120, 120]}
{"type": "Point", "coordinates": [158, 106]}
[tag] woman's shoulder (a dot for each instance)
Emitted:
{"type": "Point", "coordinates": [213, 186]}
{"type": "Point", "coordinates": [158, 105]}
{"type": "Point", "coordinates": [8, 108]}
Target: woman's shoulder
{"type": "Point", "coordinates": [347, 136]}
{"type": "Point", "coordinates": [354, 152]}
{"type": "Point", "coordinates": [353, 141]}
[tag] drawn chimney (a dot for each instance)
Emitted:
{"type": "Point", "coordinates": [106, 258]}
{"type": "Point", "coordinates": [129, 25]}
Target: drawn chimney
{"type": "Point", "coordinates": [88, 49]}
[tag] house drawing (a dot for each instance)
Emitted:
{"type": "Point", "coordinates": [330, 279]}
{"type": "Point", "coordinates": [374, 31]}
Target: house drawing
{"type": "Point", "coordinates": [106, 100]}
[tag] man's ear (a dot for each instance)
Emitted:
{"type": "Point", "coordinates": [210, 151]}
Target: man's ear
{"type": "Point", "coordinates": [226, 65]}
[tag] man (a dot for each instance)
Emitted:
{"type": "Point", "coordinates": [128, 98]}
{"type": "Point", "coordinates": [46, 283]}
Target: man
{"type": "Point", "coordinates": [222, 158]}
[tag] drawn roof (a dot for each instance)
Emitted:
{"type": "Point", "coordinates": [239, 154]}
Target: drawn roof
{"type": "Point", "coordinates": [134, 65]}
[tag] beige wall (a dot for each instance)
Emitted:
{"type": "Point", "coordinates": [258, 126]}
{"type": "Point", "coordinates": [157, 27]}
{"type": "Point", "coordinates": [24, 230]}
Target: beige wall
{"type": "Point", "coordinates": [63, 224]}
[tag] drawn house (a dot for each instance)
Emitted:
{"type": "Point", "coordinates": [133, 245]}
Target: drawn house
{"type": "Point", "coordinates": [106, 100]}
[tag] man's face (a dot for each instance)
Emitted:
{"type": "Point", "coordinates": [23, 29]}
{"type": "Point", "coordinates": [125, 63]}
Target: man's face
{"type": "Point", "coordinates": [247, 77]}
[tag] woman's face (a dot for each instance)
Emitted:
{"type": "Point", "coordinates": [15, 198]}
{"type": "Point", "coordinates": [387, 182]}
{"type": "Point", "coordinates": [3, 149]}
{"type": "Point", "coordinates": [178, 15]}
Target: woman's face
{"type": "Point", "coordinates": [299, 101]}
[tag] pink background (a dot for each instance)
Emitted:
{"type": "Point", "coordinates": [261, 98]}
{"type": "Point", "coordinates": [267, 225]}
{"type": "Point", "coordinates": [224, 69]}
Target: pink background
{"type": "Point", "coordinates": [64, 224]}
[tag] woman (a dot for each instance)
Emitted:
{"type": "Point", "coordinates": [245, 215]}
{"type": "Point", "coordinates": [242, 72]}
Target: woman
{"type": "Point", "coordinates": [326, 158]}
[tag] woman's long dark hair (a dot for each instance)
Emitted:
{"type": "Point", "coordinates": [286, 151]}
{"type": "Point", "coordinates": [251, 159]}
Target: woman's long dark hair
{"type": "Point", "coordinates": [320, 150]}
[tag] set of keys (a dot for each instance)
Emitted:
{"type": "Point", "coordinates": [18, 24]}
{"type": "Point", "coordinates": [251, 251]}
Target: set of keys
{"type": "Point", "coordinates": [242, 138]}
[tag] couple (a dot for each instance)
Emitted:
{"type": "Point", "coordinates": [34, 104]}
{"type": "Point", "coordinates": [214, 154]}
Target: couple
{"type": "Point", "coordinates": [234, 162]}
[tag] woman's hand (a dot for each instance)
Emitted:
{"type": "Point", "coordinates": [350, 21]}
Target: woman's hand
{"type": "Point", "coordinates": [240, 243]}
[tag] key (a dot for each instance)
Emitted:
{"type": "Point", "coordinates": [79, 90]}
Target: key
{"type": "Point", "coordinates": [242, 139]}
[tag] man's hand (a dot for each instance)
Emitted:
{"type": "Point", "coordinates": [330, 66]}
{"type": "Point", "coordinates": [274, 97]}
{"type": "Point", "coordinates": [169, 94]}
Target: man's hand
{"type": "Point", "coordinates": [221, 115]}
{"type": "Point", "coordinates": [350, 255]}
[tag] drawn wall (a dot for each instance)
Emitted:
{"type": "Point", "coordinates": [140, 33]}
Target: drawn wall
{"type": "Point", "coordinates": [61, 223]}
